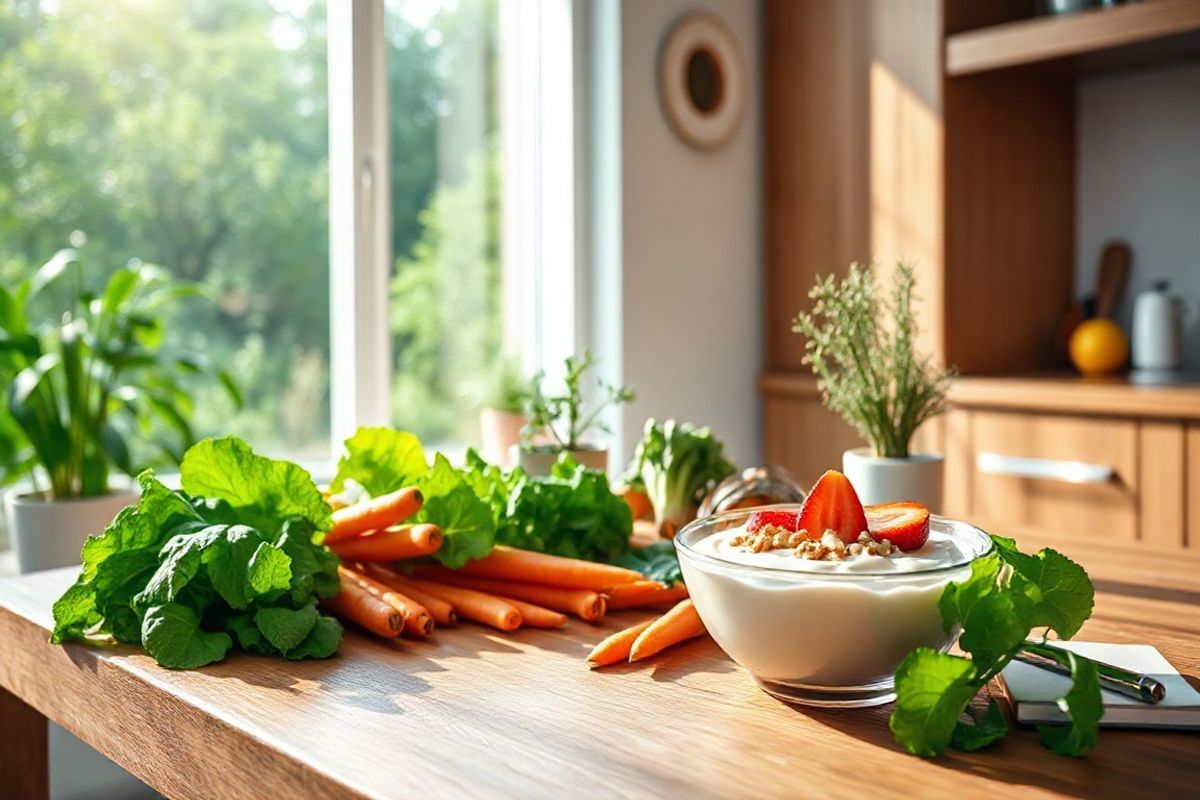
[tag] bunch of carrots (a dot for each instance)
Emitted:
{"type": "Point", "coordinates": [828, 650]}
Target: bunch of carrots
{"type": "Point", "coordinates": [507, 589]}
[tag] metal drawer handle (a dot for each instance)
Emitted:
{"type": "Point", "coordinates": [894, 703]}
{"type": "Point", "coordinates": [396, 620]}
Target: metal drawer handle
{"type": "Point", "coordinates": [1047, 469]}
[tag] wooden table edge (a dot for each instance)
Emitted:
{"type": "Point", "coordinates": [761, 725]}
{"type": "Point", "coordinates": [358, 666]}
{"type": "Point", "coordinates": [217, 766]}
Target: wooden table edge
{"type": "Point", "coordinates": [88, 694]}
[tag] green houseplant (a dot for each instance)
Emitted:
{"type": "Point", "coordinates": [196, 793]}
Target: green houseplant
{"type": "Point", "coordinates": [861, 346]}
{"type": "Point", "coordinates": [560, 422]}
{"type": "Point", "coordinates": [91, 391]}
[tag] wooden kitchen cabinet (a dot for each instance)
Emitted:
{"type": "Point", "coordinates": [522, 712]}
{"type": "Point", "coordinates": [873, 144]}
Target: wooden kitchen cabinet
{"type": "Point", "coordinates": [944, 132]}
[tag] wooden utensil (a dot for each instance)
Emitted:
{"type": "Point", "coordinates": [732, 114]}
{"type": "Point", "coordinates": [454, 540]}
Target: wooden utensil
{"type": "Point", "coordinates": [1110, 285]}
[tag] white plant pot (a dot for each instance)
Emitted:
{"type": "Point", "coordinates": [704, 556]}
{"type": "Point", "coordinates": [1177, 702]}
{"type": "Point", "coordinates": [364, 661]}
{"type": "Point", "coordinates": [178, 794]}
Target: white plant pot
{"type": "Point", "coordinates": [539, 462]}
{"type": "Point", "coordinates": [886, 480]}
{"type": "Point", "coordinates": [499, 431]}
{"type": "Point", "coordinates": [47, 535]}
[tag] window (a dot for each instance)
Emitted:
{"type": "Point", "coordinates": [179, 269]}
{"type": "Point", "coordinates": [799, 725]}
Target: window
{"type": "Point", "coordinates": [192, 134]}
{"type": "Point", "coordinates": [225, 139]}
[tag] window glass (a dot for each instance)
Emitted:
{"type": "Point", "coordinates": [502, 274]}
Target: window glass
{"type": "Point", "coordinates": [191, 134]}
{"type": "Point", "coordinates": [445, 291]}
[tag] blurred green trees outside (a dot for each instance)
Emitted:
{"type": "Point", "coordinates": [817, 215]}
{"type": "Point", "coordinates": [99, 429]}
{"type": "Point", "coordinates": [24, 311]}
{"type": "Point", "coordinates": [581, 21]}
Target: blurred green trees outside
{"type": "Point", "coordinates": [193, 134]}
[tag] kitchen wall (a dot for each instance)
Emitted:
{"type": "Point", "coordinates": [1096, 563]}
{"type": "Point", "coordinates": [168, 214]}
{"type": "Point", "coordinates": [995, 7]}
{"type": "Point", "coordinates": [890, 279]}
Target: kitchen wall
{"type": "Point", "coordinates": [1138, 178]}
{"type": "Point", "coordinates": [688, 223]}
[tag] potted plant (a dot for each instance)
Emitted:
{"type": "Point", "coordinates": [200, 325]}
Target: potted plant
{"type": "Point", "coordinates": [558, 423]}
{"type": "Point", "coordinates": [502, 412]}
{"type": "Point", "coordinates": [91, 391]}
{"type": "Point", "coordinates": [861, 348]}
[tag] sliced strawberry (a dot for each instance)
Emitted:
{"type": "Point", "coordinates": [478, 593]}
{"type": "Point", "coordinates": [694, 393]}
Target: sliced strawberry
{"type": "Point", "coordinates": [788, 520]}
{"type": "Point", "coordinates": [906, 525]}
{"type": "Point", "coordinates": [832, 504]}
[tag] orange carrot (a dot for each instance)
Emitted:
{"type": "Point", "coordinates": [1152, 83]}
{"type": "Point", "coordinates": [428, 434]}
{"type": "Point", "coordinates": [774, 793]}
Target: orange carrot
{"type": "Point", "coordinates": [441, 611]}
{"type": "Point", "coordinates": [583, 603]}
{"type": "Point", "coordinates": [485, 608]}
{"type": "Point", "coordinates": [392, 544]}
{"type": "Point", "coordinates": [417, 620]}
{"type": "Point", "coordinates": [511, 564]}
{"type": "Point", "coordinates": [677, 625]}
{"type": "Point", "coordinates": [616, 647]}
{"type": "Point", "coordinates": [378, 512]}
{"type": "Point", "coordinates": [643, 593]}
{"type": "Point", "coordinates": [356, 604]}
{"type": "Point", "coordinates": [535, 616]}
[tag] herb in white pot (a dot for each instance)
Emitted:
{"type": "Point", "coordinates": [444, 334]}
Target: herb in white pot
{"type": "Point", "coordinates": [561, 423]}
{"type": "Point", "coordinates": [861, 347]}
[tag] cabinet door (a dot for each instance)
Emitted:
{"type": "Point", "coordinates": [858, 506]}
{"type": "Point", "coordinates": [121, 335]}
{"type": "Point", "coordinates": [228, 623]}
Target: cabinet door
{"type": "Point", "coordinates": [803, 436]}
{"type": "Point", "coordinates": [1066, 475]}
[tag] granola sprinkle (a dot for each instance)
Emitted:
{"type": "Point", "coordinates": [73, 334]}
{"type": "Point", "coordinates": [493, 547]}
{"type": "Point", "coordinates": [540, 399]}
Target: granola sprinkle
{"type": "Point", "coordinates": [827, 548]}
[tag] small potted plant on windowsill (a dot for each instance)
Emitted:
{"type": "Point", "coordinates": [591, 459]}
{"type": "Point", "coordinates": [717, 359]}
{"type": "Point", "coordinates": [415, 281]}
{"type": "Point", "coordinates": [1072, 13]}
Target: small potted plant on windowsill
{"type": "Point", "coordinates": [558, 423]}
{"type": "Point", "coordinates": [502, 412]}
{"type": "Point", "coordinates": [90, 391]}
{"type": "Point", "coordinates": [861, 348]}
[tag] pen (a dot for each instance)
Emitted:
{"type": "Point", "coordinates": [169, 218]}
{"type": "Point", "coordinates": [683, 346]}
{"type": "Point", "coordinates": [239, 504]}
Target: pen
{"type": "Point", "coordinates": [1123, 681]}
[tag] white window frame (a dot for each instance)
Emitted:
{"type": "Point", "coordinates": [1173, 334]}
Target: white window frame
{"type": "Point", "coordinates": [544, 168]}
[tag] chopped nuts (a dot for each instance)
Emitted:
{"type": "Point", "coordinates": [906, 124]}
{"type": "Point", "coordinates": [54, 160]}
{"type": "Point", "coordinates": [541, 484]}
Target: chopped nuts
{"type": "Point", "coordinates": [827, 548]}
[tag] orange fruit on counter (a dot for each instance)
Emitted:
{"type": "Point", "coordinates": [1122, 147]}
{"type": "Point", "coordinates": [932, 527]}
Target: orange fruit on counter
{"type": "Point", "coordinates": [1098, 347]}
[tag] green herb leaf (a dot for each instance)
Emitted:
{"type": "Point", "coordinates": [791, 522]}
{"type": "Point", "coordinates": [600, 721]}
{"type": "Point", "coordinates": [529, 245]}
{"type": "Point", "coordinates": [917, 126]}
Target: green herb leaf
{"type": "Point", "coordinates": [1059, 591]}
{"type": "Point", "coordinates": [994, 619]}
{"type": "Point", "coordinates": [314, 568]}
{"type": "Point", "coordinates": [321, 642]}
{"type": "Point", "coordinates": [74, 613]}
{"type": "Point", "coordinates": [932, 689]}
{"type": "Point", "coordinates": [285, 628]}
{"type": "Point", "coordinates": [180, 560]}
{"type": "Point", "coordinates": [262, 491]}
{"type": "Point", "coordinates": [248, 636]}
{"type": "Point", "coordinates": [985, 729]}
{"type": "Point", "coordinates": [381, 460]}
{"type": "Point", "coordinates": [269, 570]}
{"type": "Point", "coordinates": [1084, 705]}
{"type": "Point", "coordinates": [172, 634]}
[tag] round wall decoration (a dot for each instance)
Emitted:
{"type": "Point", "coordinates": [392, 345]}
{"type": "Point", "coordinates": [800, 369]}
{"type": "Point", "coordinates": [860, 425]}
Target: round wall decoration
{"type": "Point", "coordinates": [702, 81]}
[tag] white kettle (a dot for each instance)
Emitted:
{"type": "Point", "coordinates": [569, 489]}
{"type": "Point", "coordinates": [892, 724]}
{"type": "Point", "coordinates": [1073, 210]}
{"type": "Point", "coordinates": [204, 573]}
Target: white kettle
{"type": "Point", "coordinates": [1158, 329]}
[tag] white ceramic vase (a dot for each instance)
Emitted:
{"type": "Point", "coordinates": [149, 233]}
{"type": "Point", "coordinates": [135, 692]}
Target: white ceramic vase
{"type": "Point", "coordinates": [47, 535]}
{"type": "Point", "coordinates": [499, 431]}
{"type": "Point", "coordinates": [540, 460]}
{"type": "Point", "coordinates": [886, 480]}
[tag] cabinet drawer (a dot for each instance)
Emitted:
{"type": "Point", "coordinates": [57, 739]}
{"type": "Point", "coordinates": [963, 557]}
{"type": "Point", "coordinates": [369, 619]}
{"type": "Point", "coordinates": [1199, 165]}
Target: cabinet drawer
{"type": "Point", "coordinates": [1056, 474]}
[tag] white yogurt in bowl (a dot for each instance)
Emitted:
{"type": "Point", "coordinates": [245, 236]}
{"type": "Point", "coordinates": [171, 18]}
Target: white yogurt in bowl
{"type": "Point", "coordinates": [825, 633]}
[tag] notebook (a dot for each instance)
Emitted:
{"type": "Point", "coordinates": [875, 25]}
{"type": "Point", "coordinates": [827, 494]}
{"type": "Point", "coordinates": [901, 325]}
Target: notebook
{"type": "Point", "coordinates": [1033, 691]}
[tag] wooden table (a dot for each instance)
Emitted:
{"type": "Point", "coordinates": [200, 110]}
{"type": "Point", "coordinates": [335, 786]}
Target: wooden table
{"type": "Point", "coordinates": [480, 714]}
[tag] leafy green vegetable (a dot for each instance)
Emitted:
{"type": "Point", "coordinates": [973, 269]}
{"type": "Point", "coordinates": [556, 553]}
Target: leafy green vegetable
{"type": "Point", "coordinates": [172, 634]}
{"type": "Point", "coordinates": [1007, 594]}
{"type": "Point", "coordinates": [183, 577]}
{"type": "Point", "coordinates": [658, 562]}
{"type": "Point", "coordinates": [1083, 705]}
{"type": "Point", "coordinates": [985, 729]}
{"type": "Point", "coordinates": [572, 512]}
{"type": "Point", "coordinates": [676, 463]}
{"type": "Point", "coordinates": [382, 460]}
{"type": "Point", "coordinates": [261, 491]}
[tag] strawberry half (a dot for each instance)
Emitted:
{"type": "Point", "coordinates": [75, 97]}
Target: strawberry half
{"type": "Point", "coordinates": [906, 525]}
{"type": "Point", "coordinates": [788, 520]}
{"type": "Point", "coordinates": [832, 504]}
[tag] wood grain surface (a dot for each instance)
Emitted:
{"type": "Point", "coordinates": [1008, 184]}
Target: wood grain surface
{"type": "Point", "coordinates": [474, 713]}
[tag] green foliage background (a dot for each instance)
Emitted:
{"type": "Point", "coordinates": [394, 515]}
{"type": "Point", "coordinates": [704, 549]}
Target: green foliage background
{"type": "Point", "coordinates": [193, 134]}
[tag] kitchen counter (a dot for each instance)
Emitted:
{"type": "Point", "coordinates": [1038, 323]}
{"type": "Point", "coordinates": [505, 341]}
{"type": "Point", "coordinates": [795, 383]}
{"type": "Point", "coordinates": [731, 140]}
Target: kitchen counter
{"type": "Point", "coordinates": [474, 713]}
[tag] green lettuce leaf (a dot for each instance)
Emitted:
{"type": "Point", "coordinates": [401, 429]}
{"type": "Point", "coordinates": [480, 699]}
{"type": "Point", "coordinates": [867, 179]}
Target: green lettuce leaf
{"type": "Point", "coordinates": [285, 628]}
{"type": "Point", "coordinates": [657, 561]}
{"type": "Point", "coordinates": [381, 460]}
{"type": "Point", "coordinates": [321, 642]}
{"type": "Point", "coordinates": [172, 634]}
{"type": "Point", "coordinates": [465, 520]}
{"type": "Point", "coordinates": [261, 491]}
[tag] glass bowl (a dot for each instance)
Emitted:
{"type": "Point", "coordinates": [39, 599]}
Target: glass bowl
{"type": "Point", "coordinates": [811, 635]}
